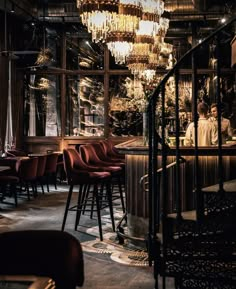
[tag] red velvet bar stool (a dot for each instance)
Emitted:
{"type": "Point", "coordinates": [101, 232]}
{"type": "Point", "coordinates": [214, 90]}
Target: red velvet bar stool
{"type": "Point", "coordinates": [8, 185]}
{"type": "Point", "coordinates": [84, 176]}
{"type": "Point", "coordinates": [98, 147]}
{"type": "Point", "coordinates": [91, 158]}
{"type": "Point", "coordinates": [51, 169]}
{"type": "Point", "coordinates": [110, 150]}
{"type": "Point", "coordinates": [27, 173]}
{"type": "Point", "coordinates": [42, 159]}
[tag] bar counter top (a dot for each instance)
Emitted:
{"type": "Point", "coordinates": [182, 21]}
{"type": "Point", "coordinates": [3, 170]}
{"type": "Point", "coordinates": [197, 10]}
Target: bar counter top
{"type": "Point", "coordinates": [136, 146]}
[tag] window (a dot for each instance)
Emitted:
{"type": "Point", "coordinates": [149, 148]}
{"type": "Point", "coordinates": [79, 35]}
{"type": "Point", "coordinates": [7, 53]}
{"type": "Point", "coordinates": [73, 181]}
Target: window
{"type": "Point", "coordinates": [42, 106]}
{"type": "Point", "coordinates": [84, 106]}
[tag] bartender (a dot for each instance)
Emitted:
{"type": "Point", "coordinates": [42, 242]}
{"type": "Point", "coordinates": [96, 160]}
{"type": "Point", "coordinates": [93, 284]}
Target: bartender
{"type": "Point", "coordinates": [226, 130]}
{"type": "Point", "coordinates": [207, 132]}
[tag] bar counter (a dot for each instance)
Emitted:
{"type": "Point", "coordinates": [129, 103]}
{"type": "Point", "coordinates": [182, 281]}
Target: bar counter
{"type": "Point", "coordinates": [136, 157]}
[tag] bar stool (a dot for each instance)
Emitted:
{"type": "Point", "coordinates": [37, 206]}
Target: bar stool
{"type": "Point", "coordinates": [110, 150]}
{"type": "Point", "coordinates": [91, 158]}
{"type": "Point", "coordinates": [8, 185]}
{"type": "Point", "coordinates": [98, 147]}
{"type": "Point", "coordinates": [51, 169]}
{"type": "Point", "coordinates": [42, 159]}
{"type": "Point", "coordinates": [27, 172]}
{"type": "Point", "coordinates": [79, 174]}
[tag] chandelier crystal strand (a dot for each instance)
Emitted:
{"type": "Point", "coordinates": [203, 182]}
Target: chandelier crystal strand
{"type": "Point", "coordinates": [164, 25]}
{"type": "Point", "coordinates": [98, 16]}
{"type": "Point", "coordinates": [153, 6]}
{"type": "Point", "coordinates": [148, 75]}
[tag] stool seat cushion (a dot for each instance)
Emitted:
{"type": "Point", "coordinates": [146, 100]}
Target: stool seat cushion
{"type": "Point", "coordinates": [9, 179]}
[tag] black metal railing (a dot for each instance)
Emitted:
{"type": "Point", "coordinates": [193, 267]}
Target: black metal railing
{"type": "Point", "coordinates": [158, 211]}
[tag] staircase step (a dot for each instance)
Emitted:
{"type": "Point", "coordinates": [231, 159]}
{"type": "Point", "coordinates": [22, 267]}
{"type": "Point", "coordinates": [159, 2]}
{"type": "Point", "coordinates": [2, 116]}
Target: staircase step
{"type": "Point", "coordinates": [229, 187]}
{"type": "Point", "coordinates": [187, 215]}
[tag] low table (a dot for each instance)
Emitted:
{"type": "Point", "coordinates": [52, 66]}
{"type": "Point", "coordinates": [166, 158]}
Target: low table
{"type": "Point", "coordinates": [26, 282]}
{"type": "Point", "coordinates": [4, 168]}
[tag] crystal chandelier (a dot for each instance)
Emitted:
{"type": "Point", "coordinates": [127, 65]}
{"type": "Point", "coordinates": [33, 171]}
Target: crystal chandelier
{"type": "Point", "coordinates": [138, 59]}
{"type": "Point", "coordinates": [144, 39]}
{"type": "Point", "coordinates": [121, 23]}
{"type": "Point", "coordinates": [150, 71]}
{"type": "Point", "coordinates": [160, 57]}
{"type": "Point", "coordinates": [120, 38]}
{"type": "Point", "coordinates": [98, 16]}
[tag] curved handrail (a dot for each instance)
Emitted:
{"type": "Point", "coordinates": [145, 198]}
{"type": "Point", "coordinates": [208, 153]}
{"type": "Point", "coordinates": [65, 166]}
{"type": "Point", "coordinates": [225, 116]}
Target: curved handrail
{"type": "Point", "coordinates": [141, 180]}
{"type": "Point", "coordinates": [179, 63]}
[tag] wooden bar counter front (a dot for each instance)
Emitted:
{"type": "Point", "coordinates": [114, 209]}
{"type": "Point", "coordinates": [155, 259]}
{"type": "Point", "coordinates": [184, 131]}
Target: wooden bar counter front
{"type": "Point", "coordinates": [136, 156]}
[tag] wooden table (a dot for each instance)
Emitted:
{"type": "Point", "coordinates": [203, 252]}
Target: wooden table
{"type": "Point", "coordinates": [4, 168]}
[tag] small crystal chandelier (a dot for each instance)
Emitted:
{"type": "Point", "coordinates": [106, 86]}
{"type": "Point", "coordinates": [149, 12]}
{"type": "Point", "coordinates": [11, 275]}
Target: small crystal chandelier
{"type": "Point", "coordinates": [137, 64]}
{"type": "Point", "coordinates": [150, 71]}
{"type": "Point", "coordinates": [98, 16]}
{"type": "Point", "coordinates": [138, 59]}
{"type": "Point", "coordinates": [148, 75]}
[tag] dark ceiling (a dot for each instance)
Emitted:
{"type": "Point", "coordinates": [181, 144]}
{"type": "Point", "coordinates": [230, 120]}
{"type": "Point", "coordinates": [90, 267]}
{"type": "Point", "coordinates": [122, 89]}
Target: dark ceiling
{"type": "Point", "coordinates": [202, 16]}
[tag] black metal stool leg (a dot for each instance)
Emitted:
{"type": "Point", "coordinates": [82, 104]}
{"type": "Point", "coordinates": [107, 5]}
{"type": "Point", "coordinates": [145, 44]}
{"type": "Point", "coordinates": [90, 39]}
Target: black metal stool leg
{"type": "Point", "coordinates": [98, 212]}
{"type": "Point", "coordinates": [109, 196]}
{"type": "Point", "coordinates": [67, 207]}
{"type": "Point", "coordinates": [79, 205]}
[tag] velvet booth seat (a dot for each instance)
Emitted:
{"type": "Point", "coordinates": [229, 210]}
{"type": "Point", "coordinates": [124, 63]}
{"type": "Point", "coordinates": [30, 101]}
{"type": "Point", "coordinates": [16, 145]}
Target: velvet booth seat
{"type": "Point", "coordinates": [49, 253]}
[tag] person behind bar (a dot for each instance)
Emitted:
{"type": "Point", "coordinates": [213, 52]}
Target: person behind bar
{"type": "Point", "coordinates": [207, 132]}
{"type": "Point", "coordinates": [226, 130]}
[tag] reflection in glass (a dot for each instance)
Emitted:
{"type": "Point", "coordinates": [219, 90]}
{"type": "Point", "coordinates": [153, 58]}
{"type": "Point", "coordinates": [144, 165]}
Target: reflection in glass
{"type": "Point", "coordinates": [84, 54]}
{"type": "Point", "coordinates": [127, 105]}
{"type": "Point", "coordinates": [85, 106]}
{"type": "Point", "coordinates": [42, 106]}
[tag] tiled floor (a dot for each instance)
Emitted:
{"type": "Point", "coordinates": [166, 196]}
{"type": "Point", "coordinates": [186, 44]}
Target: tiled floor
{"type": "Point", "coordinates": [101, 271]}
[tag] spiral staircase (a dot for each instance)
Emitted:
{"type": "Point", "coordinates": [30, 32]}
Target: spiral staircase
{"type": "Point", "coordinates": [197, 248]}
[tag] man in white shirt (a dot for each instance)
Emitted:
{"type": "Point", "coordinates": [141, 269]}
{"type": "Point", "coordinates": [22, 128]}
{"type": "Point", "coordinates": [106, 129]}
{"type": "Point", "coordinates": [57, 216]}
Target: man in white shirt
{"type": "Point", "coordinates": [226, 130]}
{"type": "Point", "coordinates": [207, 133]}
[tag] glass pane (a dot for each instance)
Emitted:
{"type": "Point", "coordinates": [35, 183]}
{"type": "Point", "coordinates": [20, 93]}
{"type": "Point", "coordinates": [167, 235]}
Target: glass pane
{"type": "Point", "coordinates": [85, 106]}
{"type": "Point", "coordinates": [127, 105]}
{"type": "Point", "coordinates": [53, 43]}
{"type": "Point", "coordinates": [84, 54]}
{"type": "Point", "coordinates": [42, 106]}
